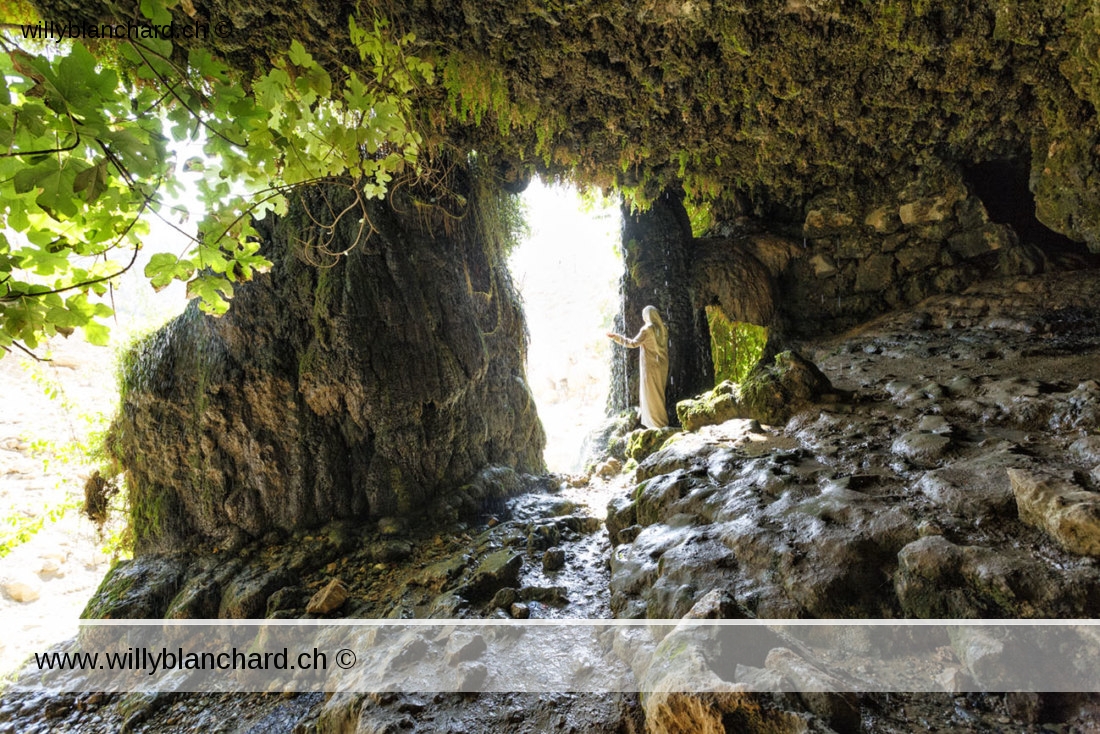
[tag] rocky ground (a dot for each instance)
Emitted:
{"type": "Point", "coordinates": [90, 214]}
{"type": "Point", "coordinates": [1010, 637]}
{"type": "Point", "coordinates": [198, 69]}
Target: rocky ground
{"type": "Point", "coordinates": [955, 474]}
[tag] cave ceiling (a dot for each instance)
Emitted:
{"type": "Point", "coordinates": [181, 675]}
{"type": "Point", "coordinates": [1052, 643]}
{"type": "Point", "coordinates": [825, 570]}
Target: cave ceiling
{"type": "Point", "coordinates": [774, 101]}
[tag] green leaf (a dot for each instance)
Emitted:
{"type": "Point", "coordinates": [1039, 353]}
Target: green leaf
{"type": "Point", "coordinates": [92, 181]}
{"type": "Point", "coordinates": [97, 334]}
{"type": "Point", "coordinates": [29, 178]}
{"type": "Point", "coordinates": [298, 54]}
{"type": "Point", "coordinates": [164, 267]}
{"type": "Point", "coordinates": [213, 290]}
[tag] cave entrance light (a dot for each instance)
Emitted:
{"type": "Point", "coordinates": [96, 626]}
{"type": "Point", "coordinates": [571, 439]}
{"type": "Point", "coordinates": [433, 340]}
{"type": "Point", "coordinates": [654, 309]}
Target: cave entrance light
{"type": "Point", "coordinates": [567, 272]}
{"type": "Point", "coordinates": [735, 346]}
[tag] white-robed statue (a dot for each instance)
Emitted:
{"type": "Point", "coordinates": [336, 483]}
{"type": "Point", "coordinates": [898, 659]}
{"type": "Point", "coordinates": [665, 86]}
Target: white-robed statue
{"type": "Point", "coordinates": [653, 367]}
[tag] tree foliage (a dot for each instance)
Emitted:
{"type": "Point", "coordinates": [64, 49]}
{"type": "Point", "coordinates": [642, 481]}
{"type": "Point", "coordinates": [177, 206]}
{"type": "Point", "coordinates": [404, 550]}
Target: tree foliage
{"type": "Point", "coordinates": [89, 141]}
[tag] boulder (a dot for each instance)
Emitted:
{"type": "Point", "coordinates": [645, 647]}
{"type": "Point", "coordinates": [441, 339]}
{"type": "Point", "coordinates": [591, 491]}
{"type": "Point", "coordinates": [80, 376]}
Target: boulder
{"type": "Point", "coordinates": [1067, 513]}
{"type": "Point", "coordinates": [329, 598]}
{"type": "Point", "coordinates": [771, 394]}
{"type": "Point", "coordinates": [496, 571]}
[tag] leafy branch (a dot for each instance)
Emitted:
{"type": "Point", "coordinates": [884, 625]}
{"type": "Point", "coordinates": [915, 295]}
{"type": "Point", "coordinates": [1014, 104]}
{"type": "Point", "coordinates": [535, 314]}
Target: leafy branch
{"type": "Point", "coordinates": [83, 164]}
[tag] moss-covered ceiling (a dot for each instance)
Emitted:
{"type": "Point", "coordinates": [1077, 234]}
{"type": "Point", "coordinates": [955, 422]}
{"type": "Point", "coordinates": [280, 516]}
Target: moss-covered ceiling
{"type": "Point", "coordinates": [778, 100]}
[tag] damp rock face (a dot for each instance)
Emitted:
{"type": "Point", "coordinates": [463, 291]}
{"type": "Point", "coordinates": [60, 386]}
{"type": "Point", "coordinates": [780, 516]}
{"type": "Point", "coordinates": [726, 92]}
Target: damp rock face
{"type": "Point", "coordinates": [360, 387]}
{"type": "Point", "coordinates": [954, 481]}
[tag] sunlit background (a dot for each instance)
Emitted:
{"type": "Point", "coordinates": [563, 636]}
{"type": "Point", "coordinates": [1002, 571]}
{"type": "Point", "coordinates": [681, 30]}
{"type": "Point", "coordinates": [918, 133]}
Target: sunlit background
{"type": "Point", "coordinates": [567, 272]}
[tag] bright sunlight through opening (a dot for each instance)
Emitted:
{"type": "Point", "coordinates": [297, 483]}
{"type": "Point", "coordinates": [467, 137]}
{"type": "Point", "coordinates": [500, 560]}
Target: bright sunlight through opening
{"type": "Point", "coordinates": [567, 272]}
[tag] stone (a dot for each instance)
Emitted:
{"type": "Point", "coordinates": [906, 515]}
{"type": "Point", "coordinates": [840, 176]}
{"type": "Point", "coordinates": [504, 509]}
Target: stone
{"type": "Point", "coordinates": [1086, 450]}
{"type": "Point", "coordinates": [464, 647]}
{"type": "Point", "coordinates": [50, 567]}
{"type": "Point", "coordinates": [436, 575]}
{"type": "Point", "coordinates": [471, 677]}
{"type": "Point", "coordinates": [1022, 258]}
{"type": "Point", "coordinates": [917, 257]}
{"type": "Point", "coordinates": [924, 211]}
{"type": "Point", "coordinates": [717, 406]}
{"type": "Point", "coordinates": [883, 220]}
{"type": "Point", "coordinates": [973, 487]}
{"type": "Point", "coordinates": [934, 424]}
{"type": "Point", "coordinates": [771, 394]}
{"type": "Point", "coordinates": [553, 560]}
{"type": "Point", "coordinates": [1023, 707]}
{"type": "Point", "coordinates": [504, 598]}
{"type": "Point", "coordinates": [496, 571]}
{"type": "Point", "coordinates": [389, 550]}
{"type": "Point", "coordinates": [823, 266]}
{"type": "Point", "coordinates": [543, 536]}
{"type": "Point", "coordinates": [609, 468]}
{"type": "Point", "coordinates": [818, 688]}
{"type": "Point", "coordinates": [1064, 511]}
{"type": "Point", "coordinates": [921, 448]}
{"type": "Point", "coordinates": [287, 598]}
{"type": "Point", "coordinates": [758, 680]}
{"type": "Point", "coordinates": [826, 221]}
{"type": "Point", "coordinates": [621, 514]}
{"type": "Point", "coordinates": [775, 392]}
{"type": "Point", "coordinates": [330, 598]}
{"type": "Point", "coordinates": [875, 273]}
{"type": "Point", "coordinates": [984, 656]}
{"type": "Point", "coordinates": [642, 443]}
{"type": "Point", "coordinates": [988, 238]}
{"type": "Point", "coordinates": [23, 588]}
{"type": "Point", "coordinates": [391, 525]}
{"type": "Point", "coordinates": [519, 610]}
{"type": "Point", "coordinates": [545, 594]}
{"type": "Point", "coordinates": [245, 595]}
{"type": "Point", "coordinates": [717, 604]}
{"type": "Point", "coordinates": [937, 579]}
{"type": "Point", "coordinates": [953, 680]}
{"type": "Point", "coordinates": [140, 588]}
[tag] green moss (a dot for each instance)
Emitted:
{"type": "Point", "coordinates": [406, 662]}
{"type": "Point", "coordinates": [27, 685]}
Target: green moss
{"type": "Point", "coordinates": [735, 347]}
{"type": "Point", "coordinates": [721, 404]}
{"type": "Point", "coordinates": [149, 513]}
{"type": "Point", "coordinates": [642, 443]}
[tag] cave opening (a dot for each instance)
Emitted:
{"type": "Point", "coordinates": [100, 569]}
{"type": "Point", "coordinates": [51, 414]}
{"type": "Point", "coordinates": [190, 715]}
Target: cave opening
{"type": "Point", "coordinates": [566, 270]}
{"type": "Point", "coordinates": [1002, 186]}
{"type": "Point", "coordinates": [735, 346]}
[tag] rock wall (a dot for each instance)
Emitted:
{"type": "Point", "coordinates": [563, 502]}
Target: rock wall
{"type": "Point", "coordinates": [657, 272]}
{"type": "Point", "coordinates": [896, 243]}
{"type": "Point", "coordinates": [362, 387]}
{"type": "Point", "coordinates": [849, 257]}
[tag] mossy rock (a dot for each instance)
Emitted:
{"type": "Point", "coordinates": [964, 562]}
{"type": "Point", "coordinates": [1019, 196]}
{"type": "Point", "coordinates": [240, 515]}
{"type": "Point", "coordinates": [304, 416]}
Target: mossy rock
{"type": "Point", "coordinates": [721, 404]}
{"type": "Point", "coordinates": [640, 444]}
{"type": "Point", "coordinates": [771, 394]}
{"type": "Point", "coordinates": [774, 393]}
{"type": "Point", "coordinates": [138, 589]}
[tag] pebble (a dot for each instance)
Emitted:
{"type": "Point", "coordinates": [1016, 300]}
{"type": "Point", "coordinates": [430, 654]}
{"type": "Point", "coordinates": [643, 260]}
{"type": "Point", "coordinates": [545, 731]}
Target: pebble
{"type": "Point", "coordinates": [23, 588]}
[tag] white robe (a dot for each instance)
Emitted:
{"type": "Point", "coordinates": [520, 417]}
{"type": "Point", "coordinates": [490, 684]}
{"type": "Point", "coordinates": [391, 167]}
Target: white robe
{"type": "Point", "coordinates": [653, 373]}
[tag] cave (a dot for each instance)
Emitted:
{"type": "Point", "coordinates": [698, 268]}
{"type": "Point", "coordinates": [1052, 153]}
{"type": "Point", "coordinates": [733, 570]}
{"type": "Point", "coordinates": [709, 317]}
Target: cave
{"type": "Point", "coordinates": [893, 203]}
{"type": "Point", "coordinates": [1002, 187]}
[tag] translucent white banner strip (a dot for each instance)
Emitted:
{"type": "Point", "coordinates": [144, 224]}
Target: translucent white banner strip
{"type": "Point", "coordinates": [589, 656]}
